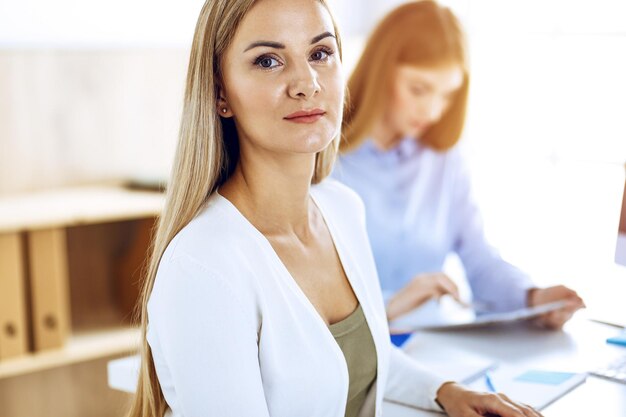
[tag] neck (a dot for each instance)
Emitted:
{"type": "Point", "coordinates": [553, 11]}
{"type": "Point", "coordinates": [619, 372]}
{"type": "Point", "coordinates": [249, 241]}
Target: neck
{"type": "Point", "coordinates": [273, 192]}
{"type": "Point", "coordinates": [384, 136]}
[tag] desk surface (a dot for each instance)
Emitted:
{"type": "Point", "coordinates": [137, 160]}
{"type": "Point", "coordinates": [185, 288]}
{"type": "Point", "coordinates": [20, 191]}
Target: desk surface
{"type": "Point", "coordinates": [580, 347]}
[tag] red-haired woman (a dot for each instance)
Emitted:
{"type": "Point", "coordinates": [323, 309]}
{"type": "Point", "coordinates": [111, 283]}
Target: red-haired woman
{"type": "Point", "coordinates": [408, 98]}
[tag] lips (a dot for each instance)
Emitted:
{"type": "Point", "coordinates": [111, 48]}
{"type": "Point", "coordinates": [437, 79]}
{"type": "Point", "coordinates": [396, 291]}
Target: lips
{"type": "Point", "coordinates": [305, 116]}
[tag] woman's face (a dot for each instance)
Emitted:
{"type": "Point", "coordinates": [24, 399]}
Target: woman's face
{"type": "Point", "coordinates": [282, 79]}
{"type": "Point", "coordinates": [420, 96]}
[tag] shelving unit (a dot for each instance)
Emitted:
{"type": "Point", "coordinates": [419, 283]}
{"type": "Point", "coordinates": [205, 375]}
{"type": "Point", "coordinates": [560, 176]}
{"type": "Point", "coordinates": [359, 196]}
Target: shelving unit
{"type": "Point", "coordinates": [81, 347]}
{"type": "Point", "coordinates": [79, 254]}
{"type": "Point", "coordinates": [75, 206]}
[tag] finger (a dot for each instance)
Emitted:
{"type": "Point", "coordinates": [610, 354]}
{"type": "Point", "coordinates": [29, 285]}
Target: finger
{"type": "Point", "coordinates": [573, 304]}
{"type": "Point", "coordinates": [455, 296]}
{"type": "Point", "coordinates": [558, 319]}
{"type": "Point", "coordinates": [462, 302]}
{"type": "Point", "coordinates": [424, 287]}
{"type": "Point", "coordinates": [569, 293]}
{"type": "Point", "coordinates": [555, 320]}
{"type": "Point", "coordinates": [565, 293]}
{"type": "Point", "coordinates": [529, 411]}
{"type": "Point", "coordinates": [549, 321]}
{"type": "Point", "coordinates": [401, 304]}
{"type": "Point", "coordinates": [494, 404]}
{"type": "Point", "coordinates": [573, 301]}
{"type": "Point", "coordinates": [567, 312]}
{"type": "Point", "coordinates": [526, 409]}
{"type": "Point", "coordinates": [447, 286]}
{"type": "Point", "coordinates": [411, 296]}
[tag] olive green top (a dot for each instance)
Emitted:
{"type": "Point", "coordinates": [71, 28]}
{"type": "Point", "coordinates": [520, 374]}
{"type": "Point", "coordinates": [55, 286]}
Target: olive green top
{"type": "Point", "coordinates": [355, 340]}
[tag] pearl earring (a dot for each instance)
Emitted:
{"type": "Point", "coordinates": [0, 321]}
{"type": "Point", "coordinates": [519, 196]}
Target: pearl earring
{"type": "Point", "coordinates": [224, 109]}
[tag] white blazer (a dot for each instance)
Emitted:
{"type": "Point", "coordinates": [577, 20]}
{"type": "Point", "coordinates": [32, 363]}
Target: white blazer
{"type": "Point", "coordinates": [232, 334]}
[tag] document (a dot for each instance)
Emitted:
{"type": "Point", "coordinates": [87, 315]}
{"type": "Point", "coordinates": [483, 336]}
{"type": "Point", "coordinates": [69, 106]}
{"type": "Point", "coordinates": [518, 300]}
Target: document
{"type": "Point", "coordinates": [535, 387]}
{"type": "Point", "coordinates": [444, 316]}
{"type": "Point", "coordinates": [449, 362]}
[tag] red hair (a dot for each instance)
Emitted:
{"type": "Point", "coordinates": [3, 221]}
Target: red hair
{"type": "Point", "coordinates": [420, 33]}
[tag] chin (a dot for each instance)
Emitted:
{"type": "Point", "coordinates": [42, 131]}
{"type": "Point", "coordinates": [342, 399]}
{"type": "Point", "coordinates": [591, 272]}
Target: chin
{"type": "Point", "coordinates": [315, 141]}
{"type": "Point", "coordinates": [314, 144]}
{"type": "Point", "coordinates": [414, 133]}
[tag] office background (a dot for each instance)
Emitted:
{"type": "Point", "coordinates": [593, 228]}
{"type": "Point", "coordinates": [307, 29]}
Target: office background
{"type": "Point", "coordinates": [90, 92]}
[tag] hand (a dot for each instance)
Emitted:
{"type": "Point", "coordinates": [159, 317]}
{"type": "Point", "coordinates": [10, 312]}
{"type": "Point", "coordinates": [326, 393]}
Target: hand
{"type": "Point", "coordinates": [421, 289]}
{"type": "Point", "coordinates": [555, 319]}
{"type": "Point", "coordinates": [458, 401]}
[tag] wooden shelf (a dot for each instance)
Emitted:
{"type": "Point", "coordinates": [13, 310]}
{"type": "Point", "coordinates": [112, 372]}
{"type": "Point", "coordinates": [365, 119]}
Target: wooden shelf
{"type": "Point", "coordinates": [83, 346]}
{"type": "Point", "coordinates": [75, 206]}
{"type": "Point", "coordinates": [71, 264]}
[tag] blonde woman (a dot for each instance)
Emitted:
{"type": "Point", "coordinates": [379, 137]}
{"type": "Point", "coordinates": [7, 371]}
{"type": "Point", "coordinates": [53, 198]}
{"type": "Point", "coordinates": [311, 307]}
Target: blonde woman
{"type": "Point", "coordinates": [262, 297]}
{"type": "Point", "coordinates": [408, 97]}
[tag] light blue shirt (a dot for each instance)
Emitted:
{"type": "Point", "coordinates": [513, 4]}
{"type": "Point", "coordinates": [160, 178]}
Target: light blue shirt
{"type": "Point", "coordinates": [419, 208]}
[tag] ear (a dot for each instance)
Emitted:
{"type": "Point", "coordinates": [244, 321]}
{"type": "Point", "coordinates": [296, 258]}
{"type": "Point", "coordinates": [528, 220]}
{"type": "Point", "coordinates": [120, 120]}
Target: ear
{"type": "Point", "coordinates": [222, 107]}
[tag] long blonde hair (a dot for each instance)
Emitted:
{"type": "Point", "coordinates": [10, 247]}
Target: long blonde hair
{"type": "Point", "coordinates": [206, 156]}
{"type": "Point", "coordinates": [420, 33]}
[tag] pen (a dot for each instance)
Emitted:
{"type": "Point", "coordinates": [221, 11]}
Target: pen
{"type": "Point", "coordinates": [489, 382]}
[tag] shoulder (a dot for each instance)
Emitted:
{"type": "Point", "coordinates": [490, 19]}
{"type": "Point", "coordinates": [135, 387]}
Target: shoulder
{"type": "Point", "coordinates": [215, 245]}
{"type": "Point", "coordinates": [454, 158]}
{"type": "Point", "coordinates": [216, 234]}
{"type": "Point", "coordinates": [457, 166]}
{"type": "Point", "coordinates": [210, 259]}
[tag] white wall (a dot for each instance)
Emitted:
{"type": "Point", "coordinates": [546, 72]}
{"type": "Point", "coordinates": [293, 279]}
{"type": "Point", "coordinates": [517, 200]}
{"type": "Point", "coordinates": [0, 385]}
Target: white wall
{"type": "Point", "coordinates": [89, 23]}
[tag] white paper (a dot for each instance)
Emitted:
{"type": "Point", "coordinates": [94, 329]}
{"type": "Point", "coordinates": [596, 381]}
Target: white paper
{"type": "Point", "coordinates": [536, 394]}
{"type": "Point", "coordinates": [448, 362]}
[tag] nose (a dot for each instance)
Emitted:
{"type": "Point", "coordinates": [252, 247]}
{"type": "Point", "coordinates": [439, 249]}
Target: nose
{"type": "Point", "coordinates": [304, 83]}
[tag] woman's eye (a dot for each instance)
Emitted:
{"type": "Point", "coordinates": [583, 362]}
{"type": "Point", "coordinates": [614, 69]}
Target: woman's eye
{"type": "Point", "coordinates": [319, 55]}
{"type": "Point", "coordinates": [267, 62]}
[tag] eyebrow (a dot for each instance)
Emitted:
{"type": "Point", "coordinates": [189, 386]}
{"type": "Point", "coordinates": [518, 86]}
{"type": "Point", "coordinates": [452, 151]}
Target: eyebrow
{"type": "Point", "coordinates": [278, 45]}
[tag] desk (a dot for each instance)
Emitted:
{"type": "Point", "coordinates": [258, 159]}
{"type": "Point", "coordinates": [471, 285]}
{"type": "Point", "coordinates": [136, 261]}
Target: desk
{"type": "Point", "coordinates": [580, 347]}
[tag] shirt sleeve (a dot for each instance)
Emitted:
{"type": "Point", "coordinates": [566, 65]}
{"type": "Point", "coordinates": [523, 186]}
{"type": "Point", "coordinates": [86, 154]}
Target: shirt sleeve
{"type": "Point", "coordinates": [411, 384]}
{"type": "Point", "coordinates": [494, 282]}
{"type": "Point", "coordinates": [204, 343]}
